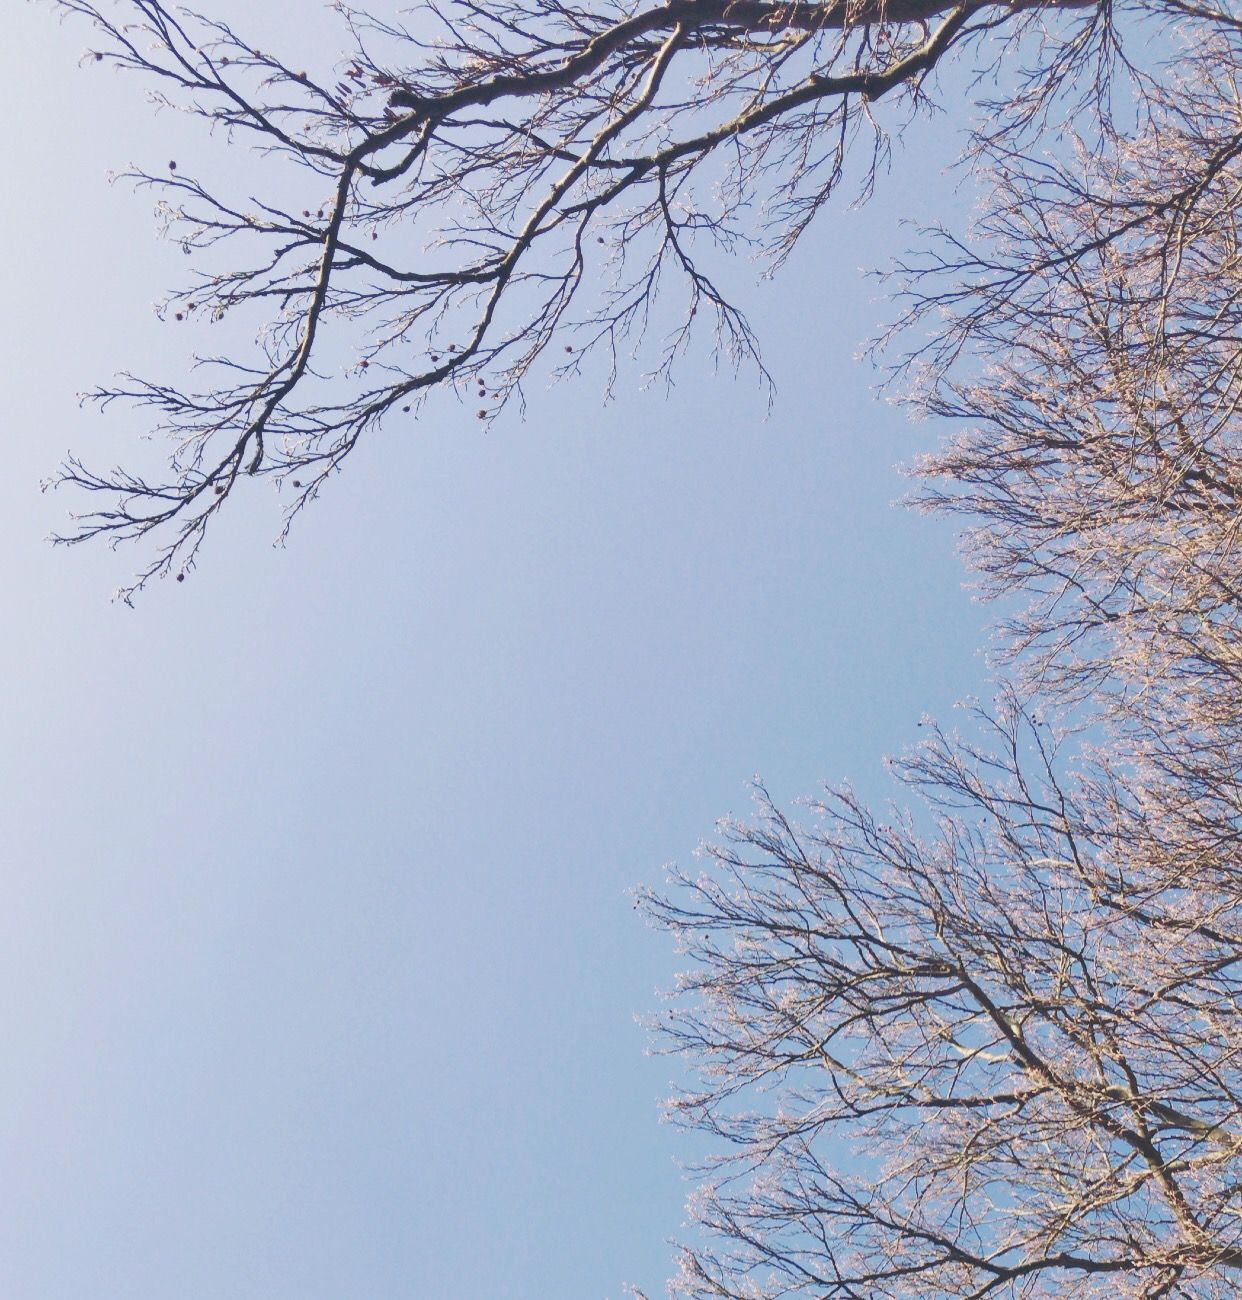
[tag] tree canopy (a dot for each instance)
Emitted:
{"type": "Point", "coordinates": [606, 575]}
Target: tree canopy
{"type": "Point", "coordinates": [985, 1043]}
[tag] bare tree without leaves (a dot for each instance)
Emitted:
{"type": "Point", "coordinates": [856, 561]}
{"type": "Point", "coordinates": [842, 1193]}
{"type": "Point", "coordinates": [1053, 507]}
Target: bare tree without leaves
{"type": "Point", "coordinates": [994, 1058]}
{"type": "Point", "coordinates": [482, 184]}
{"type": "Point", "coordinates": [991, 1045]}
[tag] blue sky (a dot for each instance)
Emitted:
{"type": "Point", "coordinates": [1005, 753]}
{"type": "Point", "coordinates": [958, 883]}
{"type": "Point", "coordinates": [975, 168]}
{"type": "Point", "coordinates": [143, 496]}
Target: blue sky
{"type": "Point", "coordinates": [319, 971]}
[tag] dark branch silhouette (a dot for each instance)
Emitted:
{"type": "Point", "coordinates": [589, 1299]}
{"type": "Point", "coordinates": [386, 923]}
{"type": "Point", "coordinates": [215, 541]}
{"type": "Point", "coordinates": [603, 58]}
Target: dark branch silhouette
{"type": "Point", "coordinates": [493, 183]}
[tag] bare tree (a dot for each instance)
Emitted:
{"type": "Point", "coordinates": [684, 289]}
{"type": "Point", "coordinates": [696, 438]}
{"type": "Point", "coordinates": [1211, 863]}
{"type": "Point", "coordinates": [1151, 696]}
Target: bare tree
{"type": "Point", "coordinates": [484, 182]}
{"type": "Point", "coordinates": [998, 1057]}
{"type": "Point", "coordinates": [1097, 452]}
{"type": "Point", "coordinates": [990, 1046]}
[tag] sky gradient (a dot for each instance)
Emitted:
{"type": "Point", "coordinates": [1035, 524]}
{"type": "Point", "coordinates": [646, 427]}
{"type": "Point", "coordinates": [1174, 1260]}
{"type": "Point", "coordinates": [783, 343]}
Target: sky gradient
{"type": "Point", "coordinates": [319, 969]}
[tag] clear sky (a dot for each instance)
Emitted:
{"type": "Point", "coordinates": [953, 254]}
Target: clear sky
{"type": "Point", "coordinates": [319, 973]}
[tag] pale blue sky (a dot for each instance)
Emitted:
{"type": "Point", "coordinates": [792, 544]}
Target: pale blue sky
{"type": "Point", "coordinates": [319, 971]}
